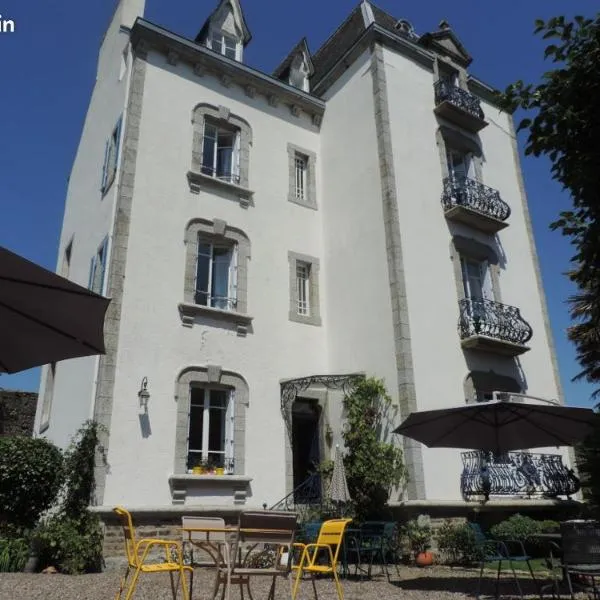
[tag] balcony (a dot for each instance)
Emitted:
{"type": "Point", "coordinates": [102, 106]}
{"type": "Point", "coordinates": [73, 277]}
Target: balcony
{"type": "Point", "coordinates": [472, 203]}
{"type": "Point", "coordinates": [493, 327]}
{"type": "Point", "coordinates": [516, 474]}
{"type": "Point", "coordinates": [458, 106]}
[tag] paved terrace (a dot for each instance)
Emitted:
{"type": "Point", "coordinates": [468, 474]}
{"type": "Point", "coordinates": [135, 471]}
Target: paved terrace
{"type": "Point", "coordinates": [435, 583]}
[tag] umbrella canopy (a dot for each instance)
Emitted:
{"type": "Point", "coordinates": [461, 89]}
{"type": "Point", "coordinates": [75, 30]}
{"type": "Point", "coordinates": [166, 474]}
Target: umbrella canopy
{"type": "Point", "coordinates": [44, 317]}
{"type": "Point", "coordinates": [338, 492]}
{"type": "Point", "coordinates": [499, 426]}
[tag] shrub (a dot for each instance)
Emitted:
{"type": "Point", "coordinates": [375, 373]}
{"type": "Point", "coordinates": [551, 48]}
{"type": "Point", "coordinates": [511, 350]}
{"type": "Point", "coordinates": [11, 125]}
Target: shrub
{"type": "Point", "coordinates": [518, 527]}
{"type": "Point", "coordinates": [419, 536]}
{"type": "Point", "coordinates": [373, 467]}
{"type": "Point", "coordinates": [14, 554]}
{"type": "Point", "coordinates": [72, 545]}
{"type": "Point", "coordinates": [31, 473]}
{"type": "Point", "coordinates": [71, 540]}
{"type": "Point", "coordinates": [457, 542]}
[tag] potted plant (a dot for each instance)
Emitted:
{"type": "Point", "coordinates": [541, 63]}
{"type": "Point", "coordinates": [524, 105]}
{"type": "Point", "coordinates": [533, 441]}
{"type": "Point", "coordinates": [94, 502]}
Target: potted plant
{"type": "Point", "coordinates": [419, 537]}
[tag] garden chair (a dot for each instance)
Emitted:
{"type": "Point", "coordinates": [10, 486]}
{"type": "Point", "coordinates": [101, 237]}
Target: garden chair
{"type": "Point", "coordinates": [331, 534]}
{"type": "Point", "coordinates": [580, 542]}
{"type": "Point", "coordinates": [491, 550]}
{"type": "Point", "coordinates": [274, 532]}
{"type": "Point", "coordinates": [138, 552]}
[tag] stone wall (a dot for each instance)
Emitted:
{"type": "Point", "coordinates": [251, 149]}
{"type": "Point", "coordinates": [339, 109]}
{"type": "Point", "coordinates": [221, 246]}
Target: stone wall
{"type": "Point", "coordinates": [17, 412]}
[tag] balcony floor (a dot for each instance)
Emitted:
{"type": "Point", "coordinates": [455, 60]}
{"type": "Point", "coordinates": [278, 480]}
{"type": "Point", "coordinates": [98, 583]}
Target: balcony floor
{"type": "Point", "coordinates": [485, 343]}
{"type": "Point", "coordinates": [454, 114]}
{"type": "Point", "coordinates": [475, 219]}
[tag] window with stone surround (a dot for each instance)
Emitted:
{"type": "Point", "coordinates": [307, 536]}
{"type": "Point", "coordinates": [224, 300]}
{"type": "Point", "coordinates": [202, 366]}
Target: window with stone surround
{"type": "Point", "coordinates": [47, 397]}
{"type": "Point", "coordinates": [211, 419]}
{"type": "Point", "coordinates": [111, 158]}
{"type": "Point", "coordinates": [98, 268]}
{"type": "Point", "coordinates": [210, 428]}
{"type": "Point", "coordinates": [220, 152]}
{"type": "Point", "coordinates": [304, 289]}
{"type": "Point", "coordinates": [216, 273]}
{"type": "Point", "coordinates": [302, 181]}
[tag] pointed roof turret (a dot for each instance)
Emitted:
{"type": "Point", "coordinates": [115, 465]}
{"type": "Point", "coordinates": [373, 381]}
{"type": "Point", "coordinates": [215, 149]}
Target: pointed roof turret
{"type": "Point", "coordinates": [228, 18]}
{"type": "Point", "coordinates": [296, 65]}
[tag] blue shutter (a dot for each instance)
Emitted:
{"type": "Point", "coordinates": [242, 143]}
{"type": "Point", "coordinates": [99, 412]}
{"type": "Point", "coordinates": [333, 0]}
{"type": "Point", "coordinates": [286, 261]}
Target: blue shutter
{"type": "Point", "coordinates": [103, 262]}
{"type": "Point", "coordinates": [118, 146]}
{"type": "Point", "coordinates": [105, 166]}
{"type": "Point", "coordinates": [92, 272]}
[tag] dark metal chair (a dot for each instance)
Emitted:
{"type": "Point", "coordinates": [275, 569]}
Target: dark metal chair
{"type": "Point", "coordinates": [581, 555]}
{"type": "Point", "coordinates": [491, 550]}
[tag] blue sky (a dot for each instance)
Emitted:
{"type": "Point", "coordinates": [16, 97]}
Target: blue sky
{"type": "Point", "coordinates": [48, 70]}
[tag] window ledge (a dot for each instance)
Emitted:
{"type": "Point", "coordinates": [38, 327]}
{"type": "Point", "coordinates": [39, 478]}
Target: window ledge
{"type": "Point", "coordinates": [182, 484]}
{"type": "Point", "coordinates": [197, 181]}
{"type": "Point", "coordinates": [301, 202]}
{"type": "Point", "coordinates": [224, 479]}
{"type": "Point", "coordinates": [189, 311]}
{"type": "Point", "coordinates": [307, 320]}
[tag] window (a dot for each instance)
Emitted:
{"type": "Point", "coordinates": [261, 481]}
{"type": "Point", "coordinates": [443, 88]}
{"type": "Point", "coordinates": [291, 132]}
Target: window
{"type": "Point", "coordinates": [216, 275]}
{"type": "Point", "coordinates": [224, 44]}
{"type": "Point", "coordinates": [302, 183]}
{"type": "Point", "coordinates": [221, 152]}
{"type": "Point", "coordinates": [459, 165]}
{"type": "Point", "coordinates": [303, 283]}
{"type": "Point", "coordinates": [98, 268]}
{"type": "Point", "coordinates": [124, 61]}
{"type": "Point", "coordinates": [111, 158]}
{"type": "Point", "coordinates": [300, 163]}
{"type": "Point", "coordinates": [304, 289]}
{"type": "Point", "coordinates": [210, 428]}
{"type": "Point", "coordinates": [66, 263]}
{"type": "Point", "coordinates": [477, 280]}
{"type": "Point", "coordinates": [48, 397]}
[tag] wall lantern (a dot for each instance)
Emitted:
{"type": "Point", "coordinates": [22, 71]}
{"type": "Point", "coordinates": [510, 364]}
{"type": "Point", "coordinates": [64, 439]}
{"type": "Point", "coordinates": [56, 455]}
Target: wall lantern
{"type": "Point", "coordinates": [144, 394]}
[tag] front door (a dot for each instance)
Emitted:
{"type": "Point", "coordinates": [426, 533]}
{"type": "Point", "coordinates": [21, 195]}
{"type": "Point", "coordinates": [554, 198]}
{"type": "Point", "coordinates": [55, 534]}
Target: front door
{"type": "Point", "coordinates": [306, 449]}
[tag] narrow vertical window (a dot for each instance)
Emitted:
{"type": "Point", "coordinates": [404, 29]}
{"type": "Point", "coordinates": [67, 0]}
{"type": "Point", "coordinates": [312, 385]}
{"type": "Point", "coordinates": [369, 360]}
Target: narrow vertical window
{"type": "Point", "coordinates": [216, 276]}
{"type": "Point", "coordinates": [220, 152]}
{"type": "Point", "coordinates": [210, 434]}
{"type": "Point", "coordinates": [303, 288]}
{"type": "Point", "coordinates": [98, 268]}
{"type": "Point", "coordinates": [66, 263]}
{"type": "Point", "coordinates": [300, 164]}
{"type": "Point", "coordinates": [111, 158]}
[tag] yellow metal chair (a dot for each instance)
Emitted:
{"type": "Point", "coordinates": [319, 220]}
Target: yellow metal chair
{"type": "Point", "coordinates": [330, 534]}
{"type": "Point", "coordinates": [138, 552]}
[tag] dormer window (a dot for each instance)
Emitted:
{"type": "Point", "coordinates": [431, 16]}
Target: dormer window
{"type": "Point", "coordinates": [299, 73]}
{"type": "Point", "coordinates": [224, 44]}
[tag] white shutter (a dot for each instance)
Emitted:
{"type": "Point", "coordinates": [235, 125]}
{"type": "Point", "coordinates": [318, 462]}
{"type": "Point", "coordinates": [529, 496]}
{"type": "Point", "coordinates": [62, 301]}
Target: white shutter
{"type": "Point", "coordinates": [236, 157]}
{"type": "Point", "coordinates": [233, 277]}
{"type": "Point", "coordinates": [486, 277]}
{"type": "Point", "coordinates": [229, 429]}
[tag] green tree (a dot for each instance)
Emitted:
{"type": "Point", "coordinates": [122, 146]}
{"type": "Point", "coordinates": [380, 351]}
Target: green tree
{"type": "Point", "coordinates": [563, 124]}
{"type": "Point", "coordinates": [373, 467]}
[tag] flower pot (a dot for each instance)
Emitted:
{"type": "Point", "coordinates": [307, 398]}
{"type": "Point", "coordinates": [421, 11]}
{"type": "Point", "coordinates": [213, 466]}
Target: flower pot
{"type": "Point", "coordinates": [219, 471]}
{"type": "Point", "coordinates": [424, 559]}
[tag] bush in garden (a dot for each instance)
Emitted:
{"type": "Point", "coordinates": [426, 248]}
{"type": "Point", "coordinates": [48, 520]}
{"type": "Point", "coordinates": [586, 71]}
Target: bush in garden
{"type": "Point", "coordinates": [456, 541]}
{"type": "Point", "coordinates": [31, 474]}
{"type": "Point", "coordinates": [518, 527]}
{"type": "Point", "coordinates": [71, 540]}
{"type": "Point", "coordinates": [14, 554]}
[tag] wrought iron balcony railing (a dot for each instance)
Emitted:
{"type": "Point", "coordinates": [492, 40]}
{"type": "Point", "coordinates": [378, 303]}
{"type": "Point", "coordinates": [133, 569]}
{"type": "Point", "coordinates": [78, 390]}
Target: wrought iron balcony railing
{"type": "Point", "coordinates": [447, 91]}
{"type": "Point", "coordinates": [474, 195]}
{"type": "Point", "coordinates": [493, 320]}
{"type": "Point", "coordinates": [516, 474]}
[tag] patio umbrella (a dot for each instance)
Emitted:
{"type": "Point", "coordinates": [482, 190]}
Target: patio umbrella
{"type": "Point", "coordinates": [44, 317]}
{"type": "Point", "coordinates": [338, 491]}
{"type": "Point", "coordinates": [499, 426]}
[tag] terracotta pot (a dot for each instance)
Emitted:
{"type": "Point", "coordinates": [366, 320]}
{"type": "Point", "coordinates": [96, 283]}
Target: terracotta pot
{"type": "Point", "coordinates": [424, 559]}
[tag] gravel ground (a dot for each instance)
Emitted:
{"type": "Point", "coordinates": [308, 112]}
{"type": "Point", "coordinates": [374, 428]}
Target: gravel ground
{"type": "Point", "coordinates": [434, 583]}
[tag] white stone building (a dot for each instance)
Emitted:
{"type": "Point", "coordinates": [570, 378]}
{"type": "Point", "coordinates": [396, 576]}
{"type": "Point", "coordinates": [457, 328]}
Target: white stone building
{"type": "Point", "coordinates": [265, 236]}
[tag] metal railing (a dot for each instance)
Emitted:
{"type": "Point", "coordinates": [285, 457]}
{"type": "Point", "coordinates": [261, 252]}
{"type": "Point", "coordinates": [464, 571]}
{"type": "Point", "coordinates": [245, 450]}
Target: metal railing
{"type": "Point", "coordinates": [447, 91]}
{"type": "Point", "coordinates": [474, 195]}
{"type": "Point", "coordinates": [223, 174]}
{"type": "Point", "coordinates": [214, 462]}
{"type": "Point", "coordinates": [494, 320]}
{"type": "Point", "coordinates": [221, 302]}
{"type": "Point", "coordinates": [304, 499]}
{"type": "Point", "coordinates": [516, 474]}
